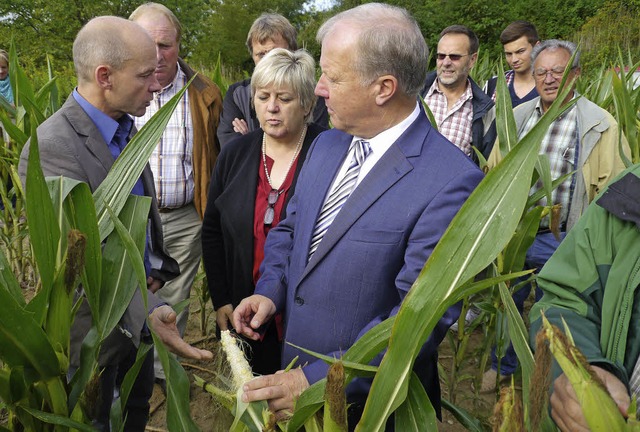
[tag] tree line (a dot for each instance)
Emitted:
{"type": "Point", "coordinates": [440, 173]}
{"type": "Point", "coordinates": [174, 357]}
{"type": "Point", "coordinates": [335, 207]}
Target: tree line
{"type": "Point", "coordinates": [213, 29]}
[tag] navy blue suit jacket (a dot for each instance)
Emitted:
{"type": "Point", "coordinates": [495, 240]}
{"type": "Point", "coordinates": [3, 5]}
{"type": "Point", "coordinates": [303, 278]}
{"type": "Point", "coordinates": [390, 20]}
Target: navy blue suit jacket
{"type": "Point", "coordinates": [372, 252]}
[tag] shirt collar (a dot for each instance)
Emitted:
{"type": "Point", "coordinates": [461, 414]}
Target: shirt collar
{"type": "Point", "coordinates": [179, 76]}
{"type": "Point", "coordinates": [105, 124]}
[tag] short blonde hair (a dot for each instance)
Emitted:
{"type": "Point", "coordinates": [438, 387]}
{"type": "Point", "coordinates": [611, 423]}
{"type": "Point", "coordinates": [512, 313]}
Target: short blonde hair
{"type": "Point", "coordinates": [161, 10]}
{"type": "Point", "coordinates": [4, 56]}
{"type": "Point", "coordinates": [284, 68]}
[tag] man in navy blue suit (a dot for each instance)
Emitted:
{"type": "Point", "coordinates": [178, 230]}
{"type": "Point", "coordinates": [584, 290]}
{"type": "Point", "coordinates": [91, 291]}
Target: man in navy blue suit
{"type": "Point", "coordinates": [375, 196]}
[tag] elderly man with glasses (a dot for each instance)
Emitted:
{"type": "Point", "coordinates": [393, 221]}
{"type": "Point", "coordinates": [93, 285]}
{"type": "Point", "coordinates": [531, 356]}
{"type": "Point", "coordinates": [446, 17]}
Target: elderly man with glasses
{"type": "Point", "coordinates": [463, 112]}
{"type": "Point", "coordinates": [583, 141]}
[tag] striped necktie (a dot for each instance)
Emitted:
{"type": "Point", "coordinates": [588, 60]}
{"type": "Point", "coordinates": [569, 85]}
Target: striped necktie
{"type": "Point", "coordinates": [338, 196]}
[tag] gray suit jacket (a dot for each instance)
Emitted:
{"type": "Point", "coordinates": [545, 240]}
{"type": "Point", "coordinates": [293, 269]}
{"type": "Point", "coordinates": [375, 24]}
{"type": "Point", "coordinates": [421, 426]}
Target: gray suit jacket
{"type": "Point", "coordinates": [71, 146]}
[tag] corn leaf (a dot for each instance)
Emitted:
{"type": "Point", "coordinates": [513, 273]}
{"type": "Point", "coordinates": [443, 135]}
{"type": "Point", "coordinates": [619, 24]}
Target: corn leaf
{"type": "Point", "coordinates": [480, 230]}
{"type": "Point", "coordinates": [178, 415]}
{"type": "Point", "coordinates": [122, 261]}
{"type": "Point", "coordinates": [416, 413]}
{"type": "Point", "coordinates": [516, 251]}
{"type": "Point", "coordinates": [9, 282]}
{"type": "Point", "coordinates": [57, 419]}
{"type": "Point", "coordinates": [44, 227]}
{"type": "Point", "coordinates": [463, 416]}
{"type": "Point", "coordinates": [506, 126]}
{"type": "Point", "coordinates": [23, 342]}
{"type": "Point", "coordinates": [127, 169]}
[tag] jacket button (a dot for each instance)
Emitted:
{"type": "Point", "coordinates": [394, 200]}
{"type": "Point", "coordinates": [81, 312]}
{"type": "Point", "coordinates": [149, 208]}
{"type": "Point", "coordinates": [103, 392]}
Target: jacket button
{"type": "Point", "coordinates": [299, 301]}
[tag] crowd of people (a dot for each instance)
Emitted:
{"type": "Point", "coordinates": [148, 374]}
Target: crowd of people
{"type": "Point", "coordinates": [310, 235]}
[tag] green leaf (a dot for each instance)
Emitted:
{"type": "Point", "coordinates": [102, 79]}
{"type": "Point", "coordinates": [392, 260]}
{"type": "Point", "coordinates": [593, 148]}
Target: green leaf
{"type": "Point", "coordinates": [463, 416]}
{"type": "Point", "coordinates": [127, 169]}
{"type": "Point", "coordinates": [57, 419]}
{"type": "Point", "coordinates": [9, 282]}
{"type": "Point", "coordinates": [178, 414]}
{"type": "Point", "coordinates": [123, 267]}
{"type": "Point", "coordinates": [44, 230]}
{"type": "Point", "coordinates": [416, 413]}
{"type": "Point", "coordinates": [506, 126]}
{"type": "Point", "coordinates": [23, 341]}
{"type": "Point", "coordinates": [520, 340]}
{"type": "Point", "coordinates": [516, 251]}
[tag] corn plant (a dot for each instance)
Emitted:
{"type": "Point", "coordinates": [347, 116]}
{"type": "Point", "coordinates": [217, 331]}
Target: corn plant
{"type": "Point", "coordinates": [30, 109]}
{"type": "Point", "coordinates": [96, 240]}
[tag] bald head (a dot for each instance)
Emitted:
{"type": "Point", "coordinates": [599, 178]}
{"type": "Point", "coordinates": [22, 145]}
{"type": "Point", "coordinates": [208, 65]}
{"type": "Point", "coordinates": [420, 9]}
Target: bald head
{"type": "Point", "coordinates": [110, 41]}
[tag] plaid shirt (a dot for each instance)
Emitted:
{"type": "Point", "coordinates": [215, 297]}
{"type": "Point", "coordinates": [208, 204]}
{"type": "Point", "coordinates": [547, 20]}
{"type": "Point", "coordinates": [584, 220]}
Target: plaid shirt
{"type": "Point", "coordinates": [171, 161]}
{"type": "Point", "coordinates": [455, 124]}
{"type": "Point", "coordinates": [560, 144]}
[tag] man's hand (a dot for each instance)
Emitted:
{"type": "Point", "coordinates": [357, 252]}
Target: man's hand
{"type": "Point", "coordinates": [224, 316]}
{"type": "Point", "coordinates": [565, 408]}
{"type": "Point", "coordinates": [153, 284]}
{"type": "Point", "coordinates": [251, 313]}
{"type": "Point", "coordinates": [280, 390]}
{"type": "Point", "coordinates": [240, 126]}
{"type": "Point", "coordinates": [163, 322]}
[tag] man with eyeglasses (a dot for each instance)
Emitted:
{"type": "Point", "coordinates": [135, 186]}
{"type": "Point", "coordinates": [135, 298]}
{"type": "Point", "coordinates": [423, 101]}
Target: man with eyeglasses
{"type": "Point", "coordinates": [583, 141]}
{"type": "Point", "coordinates": [462, 111]}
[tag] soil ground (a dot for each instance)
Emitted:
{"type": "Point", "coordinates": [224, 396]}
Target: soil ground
{"type": "Point", "coordinates": [211, 417]}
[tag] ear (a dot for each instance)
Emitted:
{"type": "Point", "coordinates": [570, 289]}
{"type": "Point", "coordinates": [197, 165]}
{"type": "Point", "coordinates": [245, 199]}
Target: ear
{"type": "Point", "coordinates": [385, 87]}
{"type": "Point", "coordinates": [103, 77]}
{"type": "Point", "coordinates": [577, 71]}
{"type": "Point", "coordinates": [472, 59]}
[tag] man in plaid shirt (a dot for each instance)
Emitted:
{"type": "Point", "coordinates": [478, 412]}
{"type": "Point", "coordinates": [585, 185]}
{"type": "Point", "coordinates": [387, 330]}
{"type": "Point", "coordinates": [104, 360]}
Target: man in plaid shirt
{"type": "Point", "coordinates": [462, 111]}
{"type": "Point", "coordinates": [184, 158]}
{"type": "Point", "coordinates": [583, 140]}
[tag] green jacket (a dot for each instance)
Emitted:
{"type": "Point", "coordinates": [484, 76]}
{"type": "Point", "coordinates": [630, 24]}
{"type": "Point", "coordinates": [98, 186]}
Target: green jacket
{"type": "Point", "coordinates": [591, 281]}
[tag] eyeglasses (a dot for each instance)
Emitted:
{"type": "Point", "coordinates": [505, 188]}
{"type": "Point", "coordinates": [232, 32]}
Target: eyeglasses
{"type": "Point", "coordinates": [452, 57]}
{"type": "Point", "coordinates": [556, 73]}
{"type": "Point", "coordinates": [270, 212]}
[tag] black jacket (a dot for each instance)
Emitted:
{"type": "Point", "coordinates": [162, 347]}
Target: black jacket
{"type": "Point", "coordinates": [227, 228]}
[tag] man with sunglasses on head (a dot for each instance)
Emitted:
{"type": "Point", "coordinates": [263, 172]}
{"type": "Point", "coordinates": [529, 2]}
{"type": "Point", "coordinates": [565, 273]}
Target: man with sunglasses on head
{"type": "Point", "coordinates": [583, 141]}
{"type": "Point", "coordinates": [463, 112]}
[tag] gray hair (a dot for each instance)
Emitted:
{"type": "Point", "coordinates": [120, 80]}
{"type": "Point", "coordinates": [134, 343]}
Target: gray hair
{"type": "Point", "coordinates": [554, 44]}
{"type": "Point", "coordinates": [161, 10]}
{"type": "Point", "coordinates": [296, 70]}
{"type": "Point", "coordinates": [102, 41]}
{"type": "Point", "coordinates": [389, 43]}
{"type": "Point", "coordinates": [269, 26]}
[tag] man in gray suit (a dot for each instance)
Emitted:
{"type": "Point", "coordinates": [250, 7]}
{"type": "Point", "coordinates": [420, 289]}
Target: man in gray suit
{"type": "Point", "coordinates": [115, 61]}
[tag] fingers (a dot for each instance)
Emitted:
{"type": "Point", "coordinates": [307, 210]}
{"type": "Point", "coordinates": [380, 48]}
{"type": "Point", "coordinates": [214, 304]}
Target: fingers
{"type": "Point", "coordinates": [240, 126]}
{"type": "Point", "coordinates": [224, 316]}
{"type": "Point", "coordinates": [565, 407]}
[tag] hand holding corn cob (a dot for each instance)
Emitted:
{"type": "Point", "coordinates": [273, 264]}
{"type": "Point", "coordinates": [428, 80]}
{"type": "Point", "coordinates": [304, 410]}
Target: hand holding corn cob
{"type": "Point", "coordinates": [565, 407]}
{"type": "Point", "coordinates": [280, 390]}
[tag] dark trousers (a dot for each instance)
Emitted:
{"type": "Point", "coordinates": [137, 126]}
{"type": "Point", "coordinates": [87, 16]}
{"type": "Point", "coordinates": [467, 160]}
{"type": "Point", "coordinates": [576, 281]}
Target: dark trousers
{"type": "Point", "coordinates": [137, 408]}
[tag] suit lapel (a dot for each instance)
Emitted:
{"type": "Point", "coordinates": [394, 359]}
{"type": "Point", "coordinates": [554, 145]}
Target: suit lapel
{"type": "Point", "coordinates": [393, 165]}
{"type": "Point", "coordinates": [83, 125]}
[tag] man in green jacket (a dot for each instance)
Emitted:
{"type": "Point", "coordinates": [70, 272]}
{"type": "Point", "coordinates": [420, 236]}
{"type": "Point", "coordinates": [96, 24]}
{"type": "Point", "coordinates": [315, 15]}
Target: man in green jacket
{"type": "Point", "coordinates": [591, 282]}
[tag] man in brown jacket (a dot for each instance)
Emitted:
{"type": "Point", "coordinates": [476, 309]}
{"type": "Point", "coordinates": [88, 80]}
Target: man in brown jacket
{"type": "Point", "coordinates": [183, 160]}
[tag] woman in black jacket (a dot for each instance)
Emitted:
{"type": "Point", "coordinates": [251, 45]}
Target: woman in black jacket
{"type": "Point", "coordinates": [254, 178]}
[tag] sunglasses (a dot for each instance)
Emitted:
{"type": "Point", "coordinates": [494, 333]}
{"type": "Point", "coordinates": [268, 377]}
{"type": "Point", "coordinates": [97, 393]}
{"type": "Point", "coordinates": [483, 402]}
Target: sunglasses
{"type": "Point", "coordinates": [452, 57]}
{"type": "Point", "coordinates": [270, 211]}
